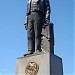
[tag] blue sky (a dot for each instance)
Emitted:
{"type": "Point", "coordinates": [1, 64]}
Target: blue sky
{"type": "Point", "coordinates": [13, 36]}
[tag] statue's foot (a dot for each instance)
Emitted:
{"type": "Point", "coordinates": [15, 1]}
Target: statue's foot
{"type": "Point", "coordinates": [29, 52]}
{"type": "Point", "coordinates": [38, 51]}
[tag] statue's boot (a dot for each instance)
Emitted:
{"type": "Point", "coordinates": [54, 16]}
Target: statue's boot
{"type": "Point", "coordinates": [38, 51]}
{"type": "Point", "coordinates": [29, 52]}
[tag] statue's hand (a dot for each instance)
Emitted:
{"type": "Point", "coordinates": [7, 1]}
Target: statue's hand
{"type": "Point", "coordinates": [44, 25]}
{"type": "Point", "coordinates": [47, 21]}
{"type": "Point", "coordinates": [26, 26]}
{"type": "Point", "coordinates": [26, 22]}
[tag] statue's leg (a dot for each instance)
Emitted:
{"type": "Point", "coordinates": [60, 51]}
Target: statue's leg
{"type": "Point", "coordinates": [31, 36]}
{"type": "Point", "coordinates": [38, 28]}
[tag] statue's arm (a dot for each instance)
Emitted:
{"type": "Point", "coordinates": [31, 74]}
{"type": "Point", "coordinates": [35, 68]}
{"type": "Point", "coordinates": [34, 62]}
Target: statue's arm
{"type": "Point", "coordinates": [27, 14]}
{"type": "Point", "coordinates": [26, 19]}
{"type": "Point", "coordinates": [26, 22]}
{"type": "Point", "coordinates": [47, 12]}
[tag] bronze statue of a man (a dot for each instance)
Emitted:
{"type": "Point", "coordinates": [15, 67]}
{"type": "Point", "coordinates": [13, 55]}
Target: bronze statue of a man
{"type": "Point", "coordinates": [38, 13]}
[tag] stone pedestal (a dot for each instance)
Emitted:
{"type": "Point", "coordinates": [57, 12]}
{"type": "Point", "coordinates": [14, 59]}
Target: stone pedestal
{"type": "Point", "coordinates": [40, 64]}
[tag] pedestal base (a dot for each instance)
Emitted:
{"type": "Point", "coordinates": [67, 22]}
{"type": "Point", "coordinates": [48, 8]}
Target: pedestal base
{"type": "Point", "coordinates": [40, 64]}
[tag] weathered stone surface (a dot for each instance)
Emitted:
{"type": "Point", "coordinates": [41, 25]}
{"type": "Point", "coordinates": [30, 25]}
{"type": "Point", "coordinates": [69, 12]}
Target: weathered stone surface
{"type": "Point", "coordinates": [47, 43]}
{"type": "Point", "coordinates": [47, 64]}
